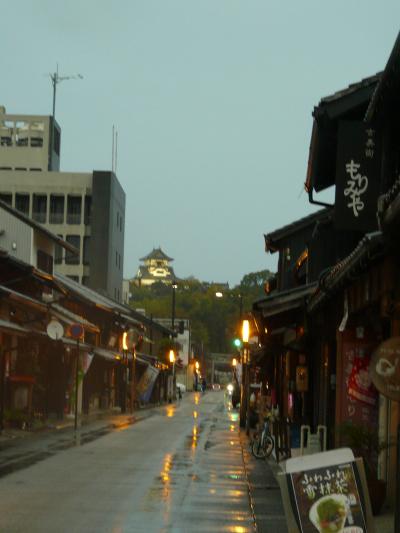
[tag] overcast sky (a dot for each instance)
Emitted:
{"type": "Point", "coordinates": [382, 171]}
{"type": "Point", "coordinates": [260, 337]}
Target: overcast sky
{"type": "Point", "coordinates": [212, 100]}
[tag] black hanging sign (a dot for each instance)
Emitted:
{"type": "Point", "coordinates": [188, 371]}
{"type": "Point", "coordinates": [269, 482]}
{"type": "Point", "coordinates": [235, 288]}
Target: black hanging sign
{"type": "Point", "coordinates": [357, 177]}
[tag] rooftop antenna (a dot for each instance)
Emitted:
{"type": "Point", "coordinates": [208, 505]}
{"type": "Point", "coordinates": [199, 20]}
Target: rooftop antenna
{"type": "Point", "coordinates": [112, 156]}
{"type": "Point", "coordinates": [116, 150]}
{"type": "Point", "coordinates": [114, 159]}
{"type": "Point", "coordinates": [55, 80]}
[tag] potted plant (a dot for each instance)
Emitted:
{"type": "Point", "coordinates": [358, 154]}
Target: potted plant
{"type": "Point", "coordinates": [365, 443]}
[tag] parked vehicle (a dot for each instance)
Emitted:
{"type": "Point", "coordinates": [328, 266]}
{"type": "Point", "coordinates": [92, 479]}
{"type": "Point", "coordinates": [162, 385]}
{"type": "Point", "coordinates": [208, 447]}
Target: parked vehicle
{"type": "Point", "coordinates": [263, 443]}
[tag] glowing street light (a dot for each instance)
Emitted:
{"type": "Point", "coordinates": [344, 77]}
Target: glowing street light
{"type": "Point", "coordinates": [234, 362]}
{"type": "Point", "coordinates": [245, 330]}
{"type": "Point", "coordinates": [171, 356]}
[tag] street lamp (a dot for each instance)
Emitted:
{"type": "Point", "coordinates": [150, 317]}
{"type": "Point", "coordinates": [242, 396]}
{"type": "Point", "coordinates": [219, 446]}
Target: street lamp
{"type": "Point", "coordinates": [171, 356]}
{"type": "Point", "coordinates": [244, 396]}
{"type": "Point", "coordinates": [174, 287]}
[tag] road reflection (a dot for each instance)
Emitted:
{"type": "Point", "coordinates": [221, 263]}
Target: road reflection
{"type": "Point", "coordinates": [171, 411]}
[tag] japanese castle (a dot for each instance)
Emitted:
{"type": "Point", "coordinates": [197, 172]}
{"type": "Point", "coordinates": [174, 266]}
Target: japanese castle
{"type": "Point", "coordinates": [156, 268]}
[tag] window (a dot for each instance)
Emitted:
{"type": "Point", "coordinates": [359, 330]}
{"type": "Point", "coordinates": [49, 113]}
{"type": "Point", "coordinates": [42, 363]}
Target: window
{"type": "Point", "coordinates": [22, 203]}
{"type": "Point", "coordinates": [6, 198]}
{"type": "Point", "coordinates": [39, 208]}
{"type": "Point", "coordinates": [88, 210]}
{"type": "Point", "coordinates": [21, 133]}
{"type": "Point", "coordinates": [74, 278]}
{"type": "Point", "coordinates": [44, 262]}
{"type": "Point", "coordinates": [56, 209]}
{"type": "Point", "coordinates": [74, 209]}
{"type": "Point", "coordinates": [86, 250]}
{"type": "Point", "coordinates": [36, 142]}
{"type": "Point", "coordinates": [5, 140]}
{"type": "Point", "coordinates": [85, 281]}
{"type": "Point", "coordinates": [74, 240]}
{"type": "Point", "coordinates": [20, 168]}
{"type": "Point", "coordinates": [120, 223]}
{"type": "Point", "coordinates": [58, 252]}
{"type": "Point", "coordinates": [116, 258]}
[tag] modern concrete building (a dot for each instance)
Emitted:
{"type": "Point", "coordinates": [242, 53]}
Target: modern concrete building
{"type": "Point", "coordinates": [87, 210]}
{"type": "Point", "coordinates": [28, 143]}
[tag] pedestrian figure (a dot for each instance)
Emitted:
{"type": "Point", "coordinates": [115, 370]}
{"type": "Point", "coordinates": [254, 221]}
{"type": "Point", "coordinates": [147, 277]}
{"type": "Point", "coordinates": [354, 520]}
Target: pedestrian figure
{"type": "Point", "coordinates": [203, 385]}
{"type": "Point", "coordinates": [179, 393]}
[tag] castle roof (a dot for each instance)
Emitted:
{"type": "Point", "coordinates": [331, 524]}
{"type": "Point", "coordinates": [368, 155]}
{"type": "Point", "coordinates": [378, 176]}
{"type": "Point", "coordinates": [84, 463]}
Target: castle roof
{"type": "Point", "coordinates": [156, 253]}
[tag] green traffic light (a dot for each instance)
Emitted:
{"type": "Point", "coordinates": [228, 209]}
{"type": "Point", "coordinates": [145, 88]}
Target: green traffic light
{"type": "Point", "coordinates": [237, 343]}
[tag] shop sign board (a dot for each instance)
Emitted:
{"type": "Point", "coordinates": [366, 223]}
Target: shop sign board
{"type": "Point", "coordinates": [146, 384]}
{"type": "Point", "coordinates": [358, 396]}
{"type": "Point", "coordinates": [357, 176]}
{"type": "Point", "coordinates": [324, 492]}
{"type": "Point", "coordinates": [385, 368]}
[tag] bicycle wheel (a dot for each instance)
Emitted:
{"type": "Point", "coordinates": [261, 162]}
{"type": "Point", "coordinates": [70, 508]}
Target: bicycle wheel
{"type": "Point", "coordinates": [269, 446]}
{"type": "Point", "coordinates": [257, 449]}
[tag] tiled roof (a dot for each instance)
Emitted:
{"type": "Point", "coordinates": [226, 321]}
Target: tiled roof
{"type": "Point", "coordinates": [353, 87]}
{"type": "Point", "coordinates": [156, 253]}
{"type": "Point", "coordinates": [370, 246]}
{"type": "Point", "coordinates": [386, 80]}
{"type": "Point", "coordinates": [297, 225]}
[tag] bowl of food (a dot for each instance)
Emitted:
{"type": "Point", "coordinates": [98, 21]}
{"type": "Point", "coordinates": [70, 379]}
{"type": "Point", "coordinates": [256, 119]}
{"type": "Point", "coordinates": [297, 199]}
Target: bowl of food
{"type": "Point", "coordinates": [328, 514]}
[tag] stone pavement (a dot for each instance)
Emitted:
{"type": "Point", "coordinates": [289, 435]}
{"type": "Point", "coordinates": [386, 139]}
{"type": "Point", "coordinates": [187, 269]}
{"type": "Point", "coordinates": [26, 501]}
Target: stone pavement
{"type": "Point", "coordinates": [265, 496]}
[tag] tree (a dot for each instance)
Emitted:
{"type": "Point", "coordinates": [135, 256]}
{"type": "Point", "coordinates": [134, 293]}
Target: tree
{"type": "Point", "coordinates": [214, 321]}
{"type": "Point", "coordinates": [256, 279]}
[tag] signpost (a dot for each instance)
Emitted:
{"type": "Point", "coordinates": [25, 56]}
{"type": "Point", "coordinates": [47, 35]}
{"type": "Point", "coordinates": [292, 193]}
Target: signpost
{"type": "Point", "coordinates": [77, 332]}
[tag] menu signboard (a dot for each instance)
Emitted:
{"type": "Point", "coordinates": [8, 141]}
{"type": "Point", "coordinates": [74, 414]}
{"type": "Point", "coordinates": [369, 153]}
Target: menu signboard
{"type": "Point", "coordinates": [326, 493]}
{"type": "Point", "coordinates": [327, 500]}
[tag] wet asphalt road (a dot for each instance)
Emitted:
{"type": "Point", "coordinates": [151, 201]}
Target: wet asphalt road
{"type": "Point", "coordinates": [180, 470]}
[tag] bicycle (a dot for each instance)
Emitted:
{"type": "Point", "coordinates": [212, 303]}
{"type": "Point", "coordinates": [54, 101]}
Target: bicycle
{"type": "Point", "coordinates": [263, 445]}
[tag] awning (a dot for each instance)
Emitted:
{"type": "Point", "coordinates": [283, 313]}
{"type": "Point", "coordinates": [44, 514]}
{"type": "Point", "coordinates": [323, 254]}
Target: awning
{"type": "Point", "coordinates": [284, 301]}
{"type": "Point", "coordinates": [12, 328]}
{"type": "Point", "coordinates": [110, 355]}
{"type": "Point", "coordinates": [146, 358]}
{"type": "Point", "coordinates": [70, 318]}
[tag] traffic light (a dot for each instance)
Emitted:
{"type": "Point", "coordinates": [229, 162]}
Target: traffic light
{"type": "Point", "coordinates": [237, 343]}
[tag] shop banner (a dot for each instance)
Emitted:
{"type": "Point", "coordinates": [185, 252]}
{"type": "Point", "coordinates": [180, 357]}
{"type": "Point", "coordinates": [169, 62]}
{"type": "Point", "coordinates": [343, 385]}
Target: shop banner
{"type": "Point", "coordinates": [146, 384]}
{"type": "Point", "coordinates": [357, 177]}
{"type": "Point", "coordinates": [358, 397]}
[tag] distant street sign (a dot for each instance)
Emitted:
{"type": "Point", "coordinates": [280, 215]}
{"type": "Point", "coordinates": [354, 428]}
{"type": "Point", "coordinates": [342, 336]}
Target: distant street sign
{"type": "Point", "coordinates": [76, 331]}
{"type": "Point", "coordinates": [55, 330]}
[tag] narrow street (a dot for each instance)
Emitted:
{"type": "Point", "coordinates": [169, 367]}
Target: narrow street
{"type": "Point", "coordinates": [180, 469]}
